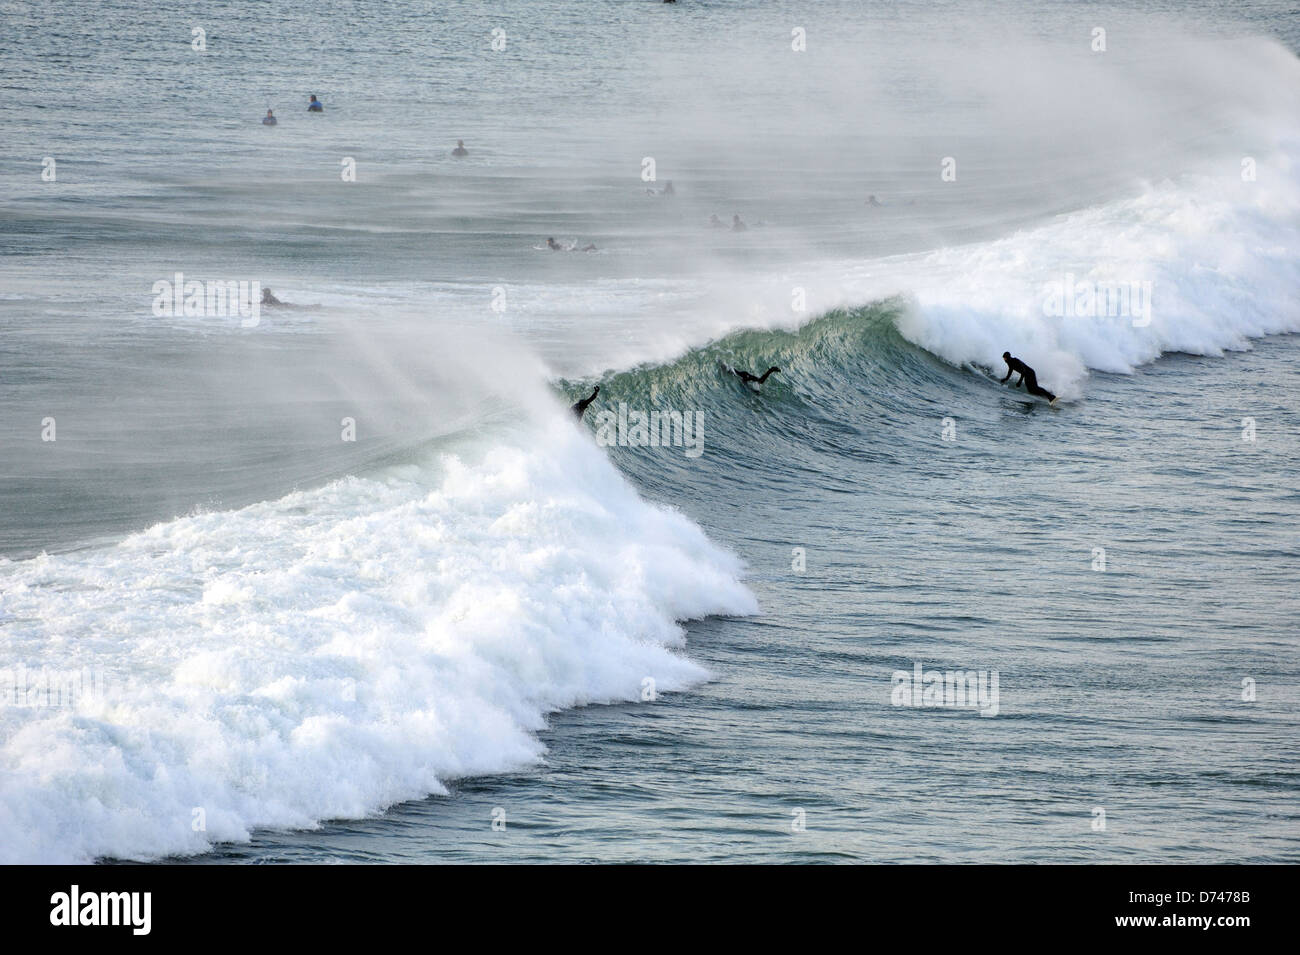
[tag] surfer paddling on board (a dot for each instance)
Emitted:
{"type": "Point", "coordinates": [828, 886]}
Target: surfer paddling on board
{"type": "Point", "coordinates": [1027, 377]}
{"type": "Point", "coordinates": [754, 379]}
{"type": "Point", "coordinates": [580, 408]}
{"type": "Point", "coordinates": [556, 247]}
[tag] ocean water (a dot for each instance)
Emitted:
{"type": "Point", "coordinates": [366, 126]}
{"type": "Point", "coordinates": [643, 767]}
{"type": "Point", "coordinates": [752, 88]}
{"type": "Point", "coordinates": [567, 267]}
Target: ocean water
{"type": "Point", "coordinates": [345, 583]}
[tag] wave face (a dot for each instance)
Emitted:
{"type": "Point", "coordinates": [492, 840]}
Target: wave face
{"type": "Point", "coordinates": [335, 651]}
{"type": "Point", "coordinates": [1197, 266]}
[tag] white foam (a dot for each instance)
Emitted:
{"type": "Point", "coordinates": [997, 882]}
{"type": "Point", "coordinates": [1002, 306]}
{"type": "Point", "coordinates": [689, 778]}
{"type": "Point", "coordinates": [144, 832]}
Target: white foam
{"type": "Point", "coordinates": [335, 651]}
{"type": "Point", "coordinates": [1221, 262]}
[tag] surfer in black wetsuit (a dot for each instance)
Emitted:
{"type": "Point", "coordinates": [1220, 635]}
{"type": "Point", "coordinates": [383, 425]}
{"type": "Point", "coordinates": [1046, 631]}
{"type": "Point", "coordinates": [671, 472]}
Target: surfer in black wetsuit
{"type": "Point", "coordinates": [556, 247]}
{"type": "Point", "coordinates": [580, 408]}
{"type": "Point", "coordinates": [269, 299]}
{"type": "Point", "coordinates": [460, 149]}
{"type": "Point", "coordinates": [747, 377]}
{"type": "Point", "coordinates": [737, 225]}
{"type": "Point", "coordinates": [1027, 377]}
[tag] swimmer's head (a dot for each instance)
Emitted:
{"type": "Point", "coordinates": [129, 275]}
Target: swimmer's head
{"type": "Point", "coordinates": [1006, 356]}
{"type": "Point", "coordinates": [268, 112]}
{"type": "Point", "coordinates": [313, 97]}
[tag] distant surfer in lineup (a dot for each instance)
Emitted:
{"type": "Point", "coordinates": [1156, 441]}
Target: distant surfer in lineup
{"type": "Point", "coordinates": [737, 225]}
{"type": "Point", "coordinates": [556, 247]}
{"type": "Point", "coordinates": [315, 106]}
{"type": "Point", "coordinates": [715, 222]}
{"type": "Point", "coordinates": [269, 119]}
{"type": "Point", "coordinates": [580, 408]}
{"type": "Point", "coordinates": [871, 200]}
{"type": "Point", "coordinates": [666, 191]}
{"type": "Point", "coordinates": [1027, 377]}
{"type": "Point", "coordinates": [754, 379]}
{"type": "Point", "coordinates": [460, 149]}
{"type": "Point", "coordinates": [269, 299]}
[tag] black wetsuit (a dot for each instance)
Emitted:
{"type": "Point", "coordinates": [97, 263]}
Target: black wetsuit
{"type": "Point", "coordinates": [1027, 378]}
{"type": "Point", "coordinates": [580, 408]}
{"type": "Point", "coordinates": [746, 376]}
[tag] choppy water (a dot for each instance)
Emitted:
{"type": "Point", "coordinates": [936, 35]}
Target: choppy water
{"type": "Point", "coordinates": [304, 637]}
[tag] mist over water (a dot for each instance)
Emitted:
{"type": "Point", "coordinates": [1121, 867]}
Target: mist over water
{"type": "Point", "coordinates": [203, 525]}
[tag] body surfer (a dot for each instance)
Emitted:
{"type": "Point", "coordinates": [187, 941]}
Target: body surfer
{"type": "Point", "coordinates": [580, 408]}
{"type": "Point", "coordinates": [754, 379]}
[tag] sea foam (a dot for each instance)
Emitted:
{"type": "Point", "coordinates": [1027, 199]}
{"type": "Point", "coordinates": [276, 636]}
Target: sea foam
{"type": "Point", "coordinates": [338, 650]}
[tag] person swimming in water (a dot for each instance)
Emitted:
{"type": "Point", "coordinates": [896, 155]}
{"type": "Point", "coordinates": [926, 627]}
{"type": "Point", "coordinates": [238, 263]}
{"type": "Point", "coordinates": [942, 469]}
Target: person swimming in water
{"type": "Point", "coordinates": [269, 119]}
{"type": "Point", "coordinates": [1027, 377]}
{"type": "Point", "coordinates": [269, 299]}
{"type": "Point", "coordinates": [460, 149]}
{"type": "Point", "coordinates": [580, 408]}
{"type": "Point", "coordinates": [556, 247]}
{"type": "Point", "coordinates": [871, 200]}
{"type": "Point", "coordinates": [715, 222]}
{"type": "Point", "coordinates": [755, 379]}
{"type": "Point", "coordinates": [315, 106]}
{"type": "Point", "coordinates": [737, 225]}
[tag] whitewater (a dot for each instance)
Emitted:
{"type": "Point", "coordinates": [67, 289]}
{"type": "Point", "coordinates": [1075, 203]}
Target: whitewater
{"type": "Point", "coordinates": [335, 651]}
